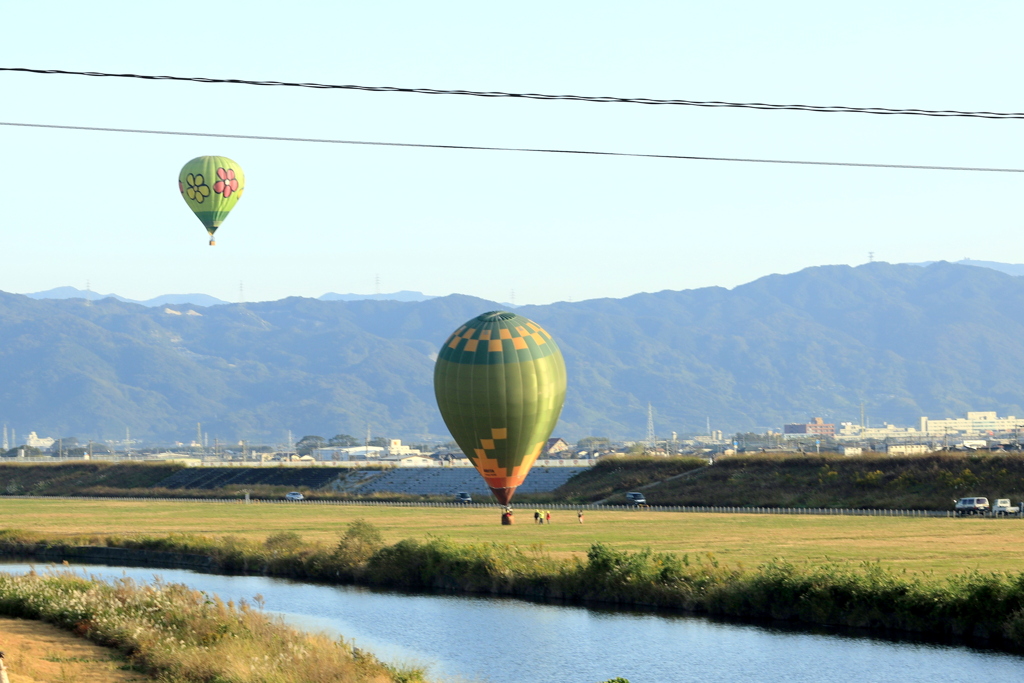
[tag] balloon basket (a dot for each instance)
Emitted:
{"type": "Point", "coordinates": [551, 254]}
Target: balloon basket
{"type": "Point", "coordinates": [507, 518]}
{"type": "Point", "coordinates": [213, 242]}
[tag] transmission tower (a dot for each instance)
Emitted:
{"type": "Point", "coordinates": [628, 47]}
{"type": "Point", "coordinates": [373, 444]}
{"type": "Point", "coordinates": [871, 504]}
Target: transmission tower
{"type": "Point", "coordinates": [651, 443]}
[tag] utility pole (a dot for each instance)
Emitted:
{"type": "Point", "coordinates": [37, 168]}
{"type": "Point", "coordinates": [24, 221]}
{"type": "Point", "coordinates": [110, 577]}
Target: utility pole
{"type": "Point", "coordinates": [199, 435]}
{"type": "Point", "coordinates": [651, 442]}
{"type": "Point", "coordinates": [6, 445]}
{"type": "Point", "coordinates": [127, 443]}
{"type": "Point", "coordinates": [862, 414]}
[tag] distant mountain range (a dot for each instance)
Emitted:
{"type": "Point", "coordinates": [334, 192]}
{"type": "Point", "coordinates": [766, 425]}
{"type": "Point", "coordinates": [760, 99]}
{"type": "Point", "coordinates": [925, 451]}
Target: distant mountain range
{"type": "Point", "coordinates": [905, 340]}
{"type": "Point", "coordinates": [89, 295]}
{"type": "Point", "coordinates": [1015, 269]}
{"type": "Point", "coordinates": [404, 295]}
{"type": "Point", "coordinates": [207, 300]}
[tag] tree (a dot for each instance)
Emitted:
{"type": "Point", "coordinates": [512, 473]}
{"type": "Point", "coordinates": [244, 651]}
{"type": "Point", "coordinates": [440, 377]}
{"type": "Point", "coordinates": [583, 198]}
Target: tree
{"type": "Point", "coordinates": [379, 441]}
{"type": "Point", "coordinates": [343, 441]}
{"type": "Point", "coordinates": [308, 444]}
{"type": "Point", "coordinates": [30, 452]}
{"type": "Point", "coordinates": [593, 442]}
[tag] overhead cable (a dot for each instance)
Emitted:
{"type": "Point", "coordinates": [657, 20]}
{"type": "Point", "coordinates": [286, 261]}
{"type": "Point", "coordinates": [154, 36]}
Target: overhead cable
{"type": "Point", "coordinates": [821, 109]}
{"type": "Point", "coordinates": [481, 148]}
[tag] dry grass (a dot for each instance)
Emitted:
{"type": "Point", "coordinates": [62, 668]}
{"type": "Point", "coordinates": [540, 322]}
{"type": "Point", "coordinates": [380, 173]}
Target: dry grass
{"type": "Point", "coordinates": [183, 636]}
{"type": "Point", "coordinates": [37, 652]}
{"type": "Point", "coordinates": [943, 546]}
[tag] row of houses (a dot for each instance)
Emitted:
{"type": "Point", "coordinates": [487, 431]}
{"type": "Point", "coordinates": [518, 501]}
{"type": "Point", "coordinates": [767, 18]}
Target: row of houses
{"type": "Point", "coordinates": [975, 423]}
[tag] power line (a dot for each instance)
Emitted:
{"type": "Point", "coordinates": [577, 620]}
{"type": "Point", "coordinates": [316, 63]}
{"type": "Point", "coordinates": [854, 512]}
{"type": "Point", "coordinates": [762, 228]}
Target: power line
{"type": "Point", "coordinates": [481, 148]}
{"type": "Point", "coordinates": [821, 109]}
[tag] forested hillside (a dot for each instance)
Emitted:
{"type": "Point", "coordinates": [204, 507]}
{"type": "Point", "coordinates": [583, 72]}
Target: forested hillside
{"type": "Point", "coordinates": [906, 340]}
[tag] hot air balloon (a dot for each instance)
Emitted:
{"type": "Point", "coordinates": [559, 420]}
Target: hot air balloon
{"type": "Point", "coordinates": [500, 386]}
{"type": "Point", "coordinates": [211, 186]}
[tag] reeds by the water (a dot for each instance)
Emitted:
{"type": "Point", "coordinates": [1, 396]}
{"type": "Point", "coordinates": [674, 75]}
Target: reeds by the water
{"type": "Point", "coordinates": [183, 636]}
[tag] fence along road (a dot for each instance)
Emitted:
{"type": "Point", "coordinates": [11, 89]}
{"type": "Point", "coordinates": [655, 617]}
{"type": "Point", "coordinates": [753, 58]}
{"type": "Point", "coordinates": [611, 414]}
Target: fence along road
{"type": "Point", "coordinates": [712, 509]}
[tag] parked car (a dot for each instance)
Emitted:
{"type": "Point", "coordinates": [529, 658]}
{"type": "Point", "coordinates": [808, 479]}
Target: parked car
{"type": "Point", "coordinates": [1003, 507]}
{"type": "Point", "coordinates": [971, 506]}
{"type": "Point", "coordinates": [463, 497]}
{"type": "Point", "coordinates": [294, 495]}
{"type": "Point", "coordinates": [636, 498]}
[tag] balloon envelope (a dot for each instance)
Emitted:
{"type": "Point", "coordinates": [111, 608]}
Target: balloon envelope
{"type": "Point", "coordinates": [211, 186]}
{"type": "Point", "coordinates": [500, 385]}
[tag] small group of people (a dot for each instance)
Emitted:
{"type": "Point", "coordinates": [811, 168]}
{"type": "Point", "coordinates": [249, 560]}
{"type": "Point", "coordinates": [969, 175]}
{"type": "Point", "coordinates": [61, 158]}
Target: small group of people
{"type": "Point", "coordinates": [539, 517]}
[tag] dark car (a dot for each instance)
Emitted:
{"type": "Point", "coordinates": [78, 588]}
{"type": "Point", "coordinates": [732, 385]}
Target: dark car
{"type": "Point", "coordinates": [463, 497]}
{"type": "Point", "coordinates": [636, 498]}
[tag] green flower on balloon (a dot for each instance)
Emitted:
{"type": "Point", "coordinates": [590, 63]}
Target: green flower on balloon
{"type": "Point", "coordinates": [197, 190]}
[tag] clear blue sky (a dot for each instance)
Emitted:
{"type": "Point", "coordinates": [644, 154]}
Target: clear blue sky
{"type": "Point", "coordinates": [104, 207]}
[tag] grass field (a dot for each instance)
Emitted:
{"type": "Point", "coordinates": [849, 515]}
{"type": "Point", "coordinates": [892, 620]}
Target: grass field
{"type": "Point", "coordinates": [40, 652]}
{"type": "Point", "coordinates": [942, 546]}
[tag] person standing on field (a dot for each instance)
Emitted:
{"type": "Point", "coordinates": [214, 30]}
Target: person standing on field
{"type": "Point", "coordinates": [3, 670]}
{"type": "Point", "coordinates": [579, 516]}
{"type": "Point", "coordinates": [548, 516]}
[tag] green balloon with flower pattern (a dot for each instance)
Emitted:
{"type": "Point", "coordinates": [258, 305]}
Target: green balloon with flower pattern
{"type": "Point", "coordinates": [211, 186]}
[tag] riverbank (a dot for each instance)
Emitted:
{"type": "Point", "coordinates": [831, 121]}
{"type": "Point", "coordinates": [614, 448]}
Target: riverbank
{"type": "Point", "coordinates": [36, 652]}
{"type": "Point", "coordinates": [178, 635]}
{"type": "Point", "coordinates": [988, 607]}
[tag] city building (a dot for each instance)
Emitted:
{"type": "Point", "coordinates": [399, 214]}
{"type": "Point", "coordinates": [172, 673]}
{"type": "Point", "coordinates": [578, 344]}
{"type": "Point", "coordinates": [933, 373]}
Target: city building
{"type": "Point", "coordinates": [555, 445]}
{"type": "Point", "coordinates": [42, 443]}
{"type": "Point", "coordinates": [408, 460]}
{"type": "Point", "coordinates": [354, 453]}
{"type": "Point", "coordinates": [849, 430]}
{"type": "Point", "coordinates": [909, 449]}
{"type": "Point", "coordinates": [395, 447]}
{"type": "Point", "coordinates": [816, 427]}
{"type": "Point", "coordinates": [976, 422]}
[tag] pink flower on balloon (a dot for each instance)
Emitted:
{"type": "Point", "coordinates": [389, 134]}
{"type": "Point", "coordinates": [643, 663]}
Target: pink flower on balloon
{"type": "Point", "coordinates": [227, 183]}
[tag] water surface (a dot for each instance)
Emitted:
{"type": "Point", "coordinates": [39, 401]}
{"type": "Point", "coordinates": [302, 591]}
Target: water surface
{"type": "Point", "coordinates": [512, 641]}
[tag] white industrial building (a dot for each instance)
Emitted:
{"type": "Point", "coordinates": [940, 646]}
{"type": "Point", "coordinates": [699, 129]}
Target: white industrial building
{"type": "Point", "coordinates": [978, 422]}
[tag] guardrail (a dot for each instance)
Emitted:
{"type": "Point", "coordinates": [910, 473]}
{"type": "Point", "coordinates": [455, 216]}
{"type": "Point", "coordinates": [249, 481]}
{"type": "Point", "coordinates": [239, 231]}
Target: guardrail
{"type": "Point", "coordinates": [716, 509]}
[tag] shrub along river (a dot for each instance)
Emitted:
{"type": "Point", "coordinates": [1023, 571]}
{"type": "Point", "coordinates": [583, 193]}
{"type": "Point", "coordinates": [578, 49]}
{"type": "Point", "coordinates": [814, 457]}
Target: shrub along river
{"type": "Point", "coordinates": [504, 640]}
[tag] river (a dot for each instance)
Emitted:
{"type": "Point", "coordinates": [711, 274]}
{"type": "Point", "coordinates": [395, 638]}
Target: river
{"type": "Point", "coordinates": [503, 640]}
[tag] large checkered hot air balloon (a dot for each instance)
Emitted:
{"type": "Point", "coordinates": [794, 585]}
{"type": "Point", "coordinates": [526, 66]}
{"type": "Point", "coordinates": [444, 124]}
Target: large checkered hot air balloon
{"type": "Point", "coordinates": [211, 186]}
{"type": "Point", "coordinates": [500, 385]}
